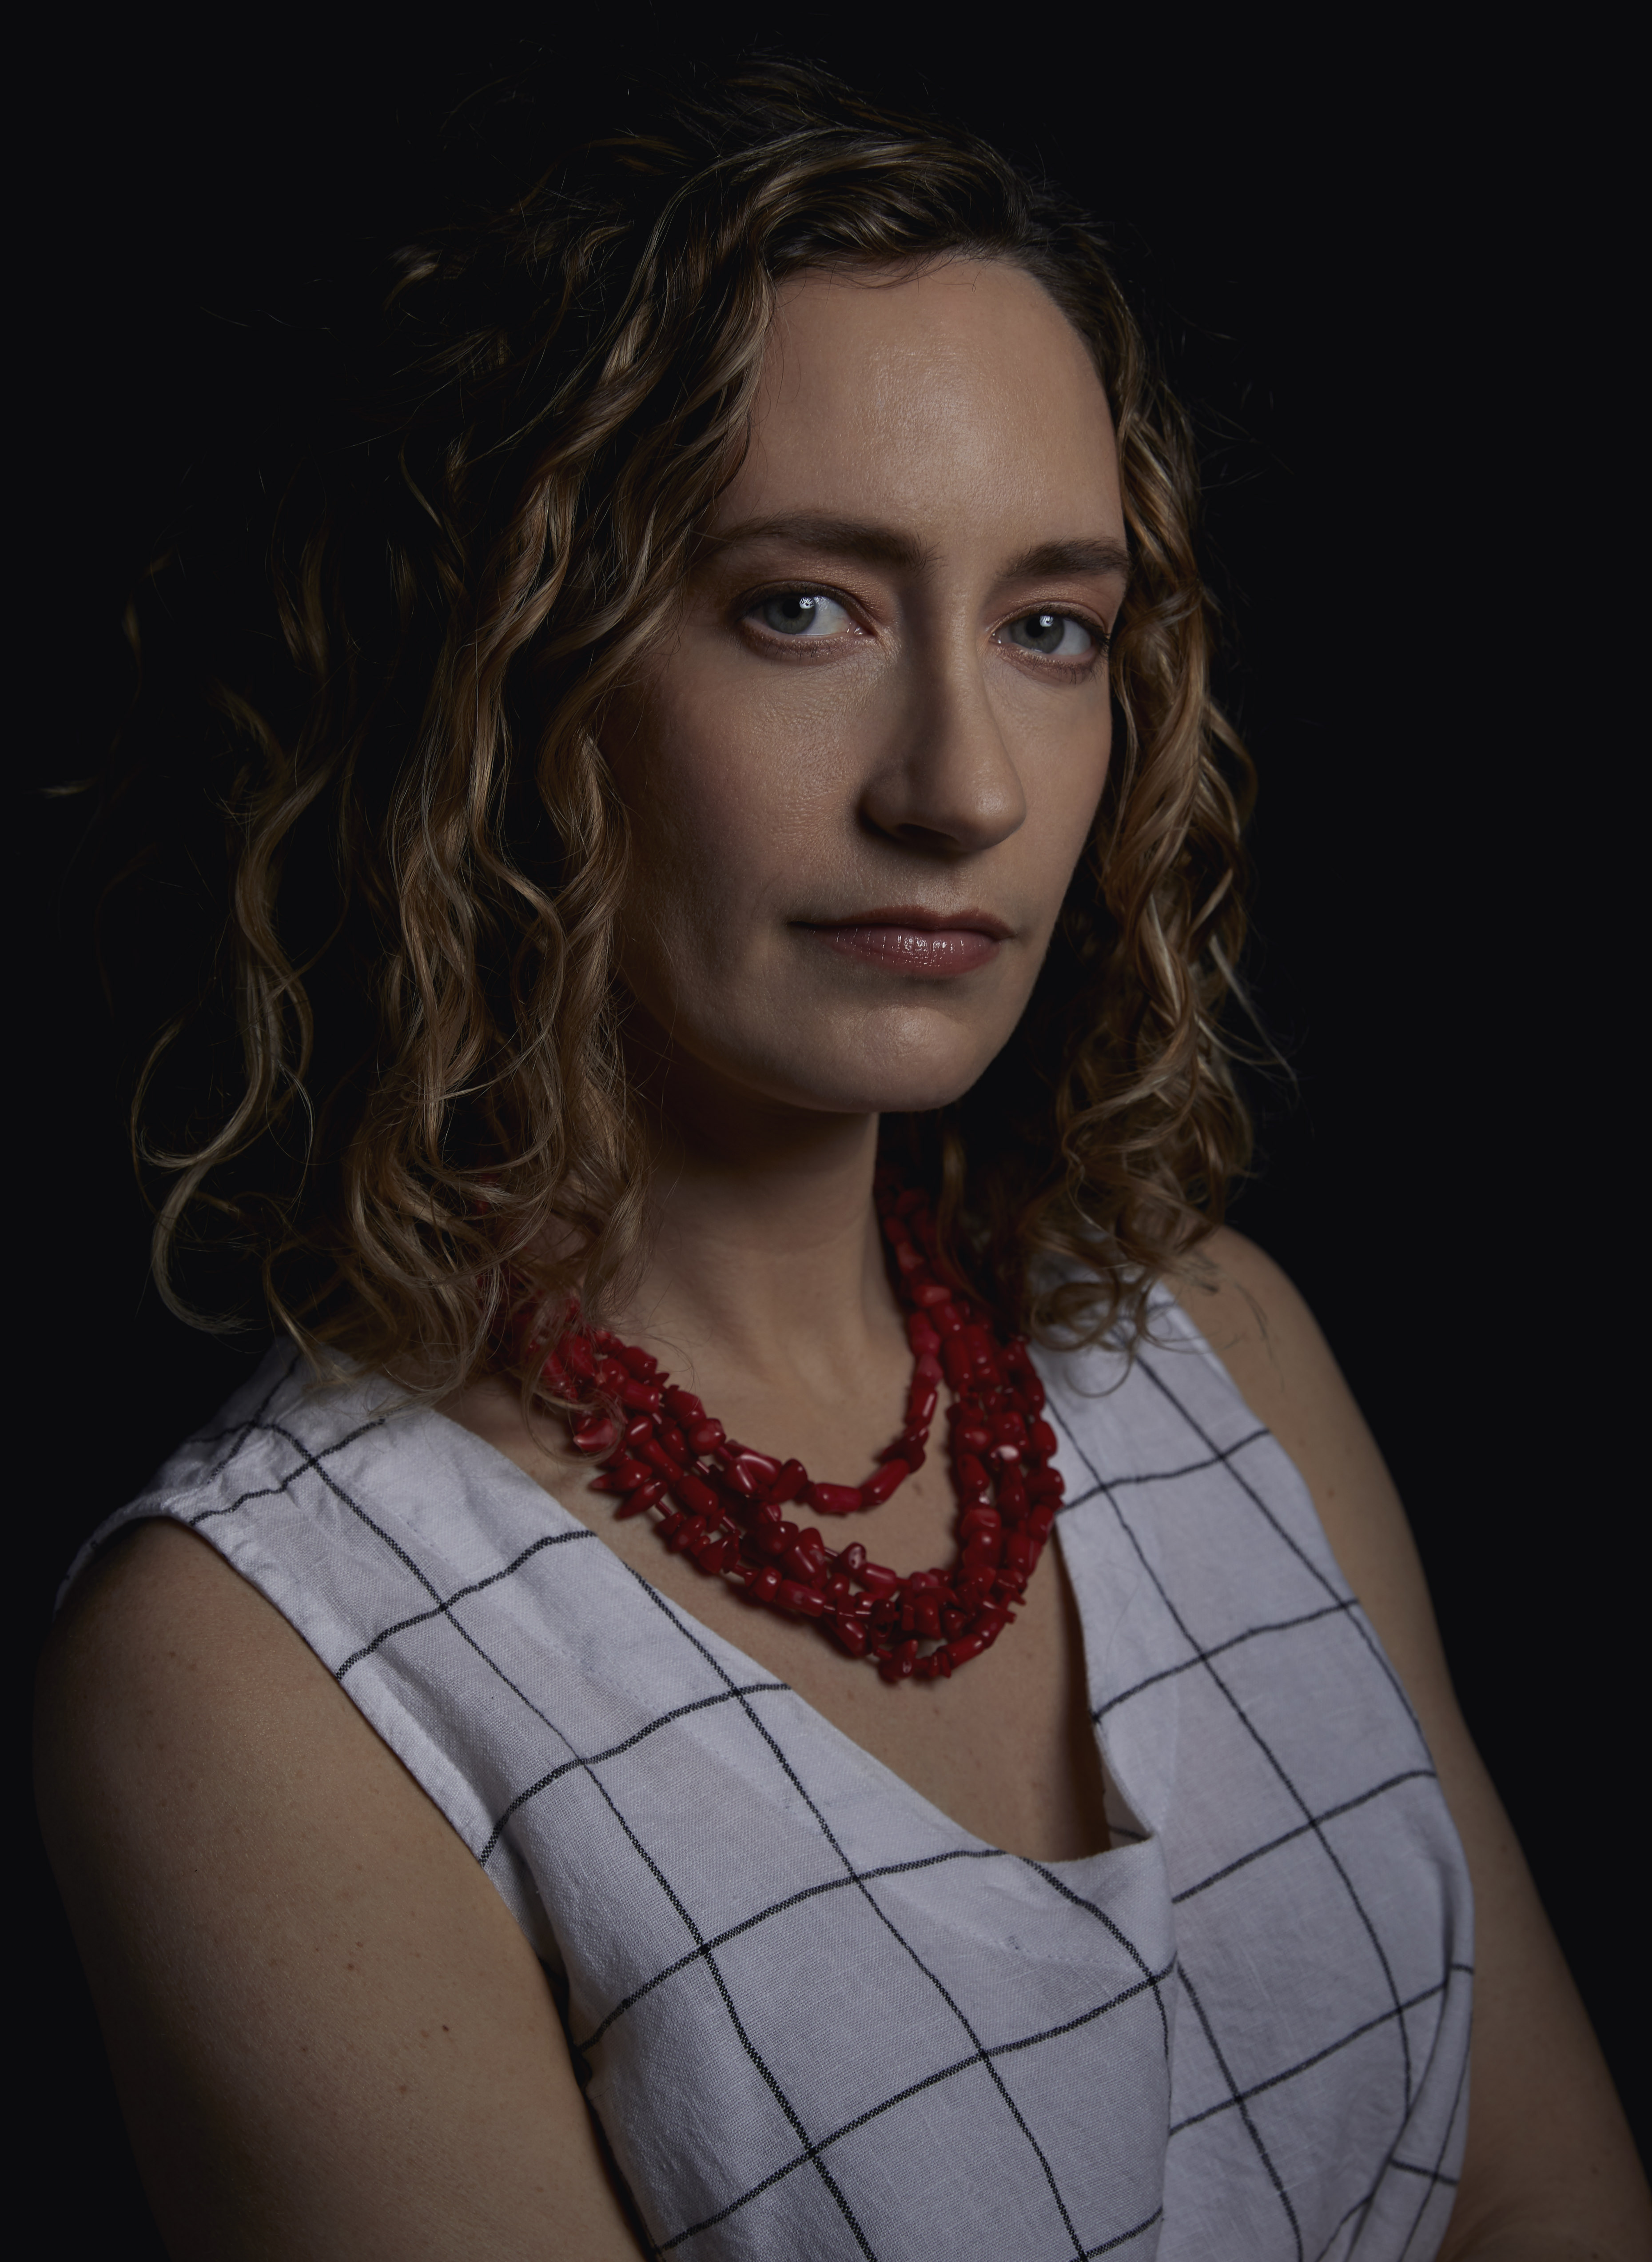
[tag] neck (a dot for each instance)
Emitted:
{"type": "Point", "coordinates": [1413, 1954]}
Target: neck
{"type": "Point", "coordinates": [764, 1257]}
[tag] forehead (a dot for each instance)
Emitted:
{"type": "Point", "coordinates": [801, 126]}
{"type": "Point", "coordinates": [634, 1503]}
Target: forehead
{"type": "Point", "coordinates": [962, 389]}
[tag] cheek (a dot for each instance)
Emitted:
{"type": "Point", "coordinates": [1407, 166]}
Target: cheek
{"type": "Point", "coordinates": [719, 816]}
{"type": "Point", "coordinates": [729, 794]}
{"type": "Point", "coordinates": [1064, 764]}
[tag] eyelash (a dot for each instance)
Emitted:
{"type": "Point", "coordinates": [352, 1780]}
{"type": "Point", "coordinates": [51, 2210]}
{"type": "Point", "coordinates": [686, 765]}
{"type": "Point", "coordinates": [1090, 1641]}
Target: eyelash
{"type": "Point", "coordinates": [1103, 636]}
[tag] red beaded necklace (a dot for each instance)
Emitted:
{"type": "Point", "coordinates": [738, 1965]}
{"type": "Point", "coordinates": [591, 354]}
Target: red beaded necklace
{"type": "Point", "coordinates": [721, 1503]}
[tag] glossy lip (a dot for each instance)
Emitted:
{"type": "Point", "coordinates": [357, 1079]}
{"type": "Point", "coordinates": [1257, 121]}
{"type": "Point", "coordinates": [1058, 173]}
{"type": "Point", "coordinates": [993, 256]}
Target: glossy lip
{"type": "Point", "coordinates": [911, 939]}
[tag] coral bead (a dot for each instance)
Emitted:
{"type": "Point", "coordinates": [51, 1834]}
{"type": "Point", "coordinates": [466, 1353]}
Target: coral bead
{"type": "Point", "coordinates": [877, 1489]}
{"type": "Point", "coordinates": [622, 1476]}
{"type": "Point", "coordinates": [696, 1495]}
{"type": "Point", "coordinates": [1018, 1550]}
{"type": "Point", "coordinates": [834, 1499]}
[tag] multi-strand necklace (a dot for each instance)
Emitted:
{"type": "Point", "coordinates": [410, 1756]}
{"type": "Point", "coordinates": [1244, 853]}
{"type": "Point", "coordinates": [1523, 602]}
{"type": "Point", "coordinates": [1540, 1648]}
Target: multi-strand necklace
{"type": "Point", "coordinates": [723, 1505]}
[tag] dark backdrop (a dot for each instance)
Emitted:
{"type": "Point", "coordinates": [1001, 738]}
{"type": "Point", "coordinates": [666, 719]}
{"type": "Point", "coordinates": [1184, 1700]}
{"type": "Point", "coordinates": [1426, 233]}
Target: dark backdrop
{"type": "Point", "coordinates": [1383, 277]}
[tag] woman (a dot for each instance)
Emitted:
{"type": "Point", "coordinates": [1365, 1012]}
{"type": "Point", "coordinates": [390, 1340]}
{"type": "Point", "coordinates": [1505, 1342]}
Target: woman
{"type": "Point", "coordinates": [729, 900]}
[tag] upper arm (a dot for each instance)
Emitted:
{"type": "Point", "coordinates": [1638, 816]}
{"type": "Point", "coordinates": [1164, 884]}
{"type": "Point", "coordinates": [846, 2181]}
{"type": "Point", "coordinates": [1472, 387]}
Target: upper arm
{"type": "Point", "coordinates": [1548, 2152]}
{"type": "Point", "coordinates": [328, 2035]}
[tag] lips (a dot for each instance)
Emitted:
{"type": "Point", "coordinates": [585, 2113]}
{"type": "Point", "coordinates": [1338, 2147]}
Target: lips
{"type": "Point", "coordinates": [916, 941]}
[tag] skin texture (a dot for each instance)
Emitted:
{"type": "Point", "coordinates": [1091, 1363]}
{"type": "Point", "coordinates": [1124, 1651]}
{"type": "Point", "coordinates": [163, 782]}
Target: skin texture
{"type": "Point", "coordinates": [329, 2037]}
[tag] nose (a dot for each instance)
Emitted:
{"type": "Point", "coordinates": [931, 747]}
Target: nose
{"type": "Point", "coordinates": [946, 782]}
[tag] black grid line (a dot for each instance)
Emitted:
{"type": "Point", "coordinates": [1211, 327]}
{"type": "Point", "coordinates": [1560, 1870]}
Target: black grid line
{"type": "Point", "coordinates": [583, 1762]}
{"type": "Point", "coordinates": [983, 2056]}
{"type": "Point", "coordinates": [1356, 1617]}
{"type": "Point", "coordinates": [1123, 2238]}
{"type": "Point", "coordinates": [1266, 1751]}
{"type": "Point", "coordinates": [1216, 1457]}
{"type": "Point", "coordinates": [1466, 1971]}
{"type": "Point", "coordinates": [1128, 1945]}
{"type": "Point", "coordinates": [459, 1595]}
{"type": "Point", "coordinates": [1302, 1830]}
{"type": "Point", "coordinates": [1314, 2058]}
{"type": "Point", "coordinates": [783, 1907]}
{"type": "Point", "coordinates": [1366, 2203]}
{"type": "Point", "coordinates": [244, 1500]}
{"type": "Point", "coordinates": [1216, 1648]}
{"type": "Point", "coordinates": [1251, 2128]}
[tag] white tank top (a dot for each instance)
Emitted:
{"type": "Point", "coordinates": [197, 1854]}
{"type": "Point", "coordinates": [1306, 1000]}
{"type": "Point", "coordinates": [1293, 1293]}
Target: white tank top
{"type": "Point", "coordinates": [813, 2016]}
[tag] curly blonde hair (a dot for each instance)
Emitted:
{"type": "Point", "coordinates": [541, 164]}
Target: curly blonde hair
{"type": "Point", "coordinates": [405, 1056]}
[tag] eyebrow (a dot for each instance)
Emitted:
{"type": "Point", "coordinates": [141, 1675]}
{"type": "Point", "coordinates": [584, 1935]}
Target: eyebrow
{"type": "Point", "coordinates": [1080, 557]}
{"type": "Point", "coordinates": [883, 546]}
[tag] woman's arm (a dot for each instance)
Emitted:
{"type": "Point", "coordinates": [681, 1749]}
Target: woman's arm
{"type": "Point", "coordinates": [1551, 2173]}
{"type": "Point", "coordinates": [328, 2035]}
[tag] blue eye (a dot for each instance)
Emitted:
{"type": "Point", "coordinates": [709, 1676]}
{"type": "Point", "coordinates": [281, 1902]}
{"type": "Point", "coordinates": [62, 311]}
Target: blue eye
{"type": "Point", "coordinates": [802, 613]}
{"type": "Point", "coordinates": [1056, 636]}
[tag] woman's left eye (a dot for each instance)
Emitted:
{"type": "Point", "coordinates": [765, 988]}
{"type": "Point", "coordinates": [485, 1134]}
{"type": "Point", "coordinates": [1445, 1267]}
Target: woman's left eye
{"type": "Point", "coordinates": [802, 613]}
{"type": "Point", "coordinates": [1056, 636]}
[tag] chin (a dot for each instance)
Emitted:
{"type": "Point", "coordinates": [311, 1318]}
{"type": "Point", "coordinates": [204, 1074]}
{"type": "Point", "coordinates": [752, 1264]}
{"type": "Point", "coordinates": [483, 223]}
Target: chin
{"type": "Point", "coordinates": [909, 1086]}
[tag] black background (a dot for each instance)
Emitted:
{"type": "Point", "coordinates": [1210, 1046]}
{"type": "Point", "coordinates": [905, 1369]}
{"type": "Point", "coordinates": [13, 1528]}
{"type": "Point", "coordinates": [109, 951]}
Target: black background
{"type": "Point", "coordinates": [1385, 271]}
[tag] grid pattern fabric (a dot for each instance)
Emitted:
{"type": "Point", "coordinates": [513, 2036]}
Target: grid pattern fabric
{"type": "Point", "coordinates": [815, 2017]}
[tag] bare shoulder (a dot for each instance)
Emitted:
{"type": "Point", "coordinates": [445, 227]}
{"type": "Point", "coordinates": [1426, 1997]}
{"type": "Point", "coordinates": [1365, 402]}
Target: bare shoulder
{"type": "Point", "coordinates": [1551, 2168]}
{"type": "Point", "coordinates": [1256, 1320]}
{"type": "Point", "coordinates": [328, 2035]}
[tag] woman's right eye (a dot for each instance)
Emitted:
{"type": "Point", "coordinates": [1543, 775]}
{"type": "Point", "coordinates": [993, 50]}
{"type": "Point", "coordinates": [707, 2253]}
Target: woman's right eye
{"type": "Point", "coordinates": [801, 613]}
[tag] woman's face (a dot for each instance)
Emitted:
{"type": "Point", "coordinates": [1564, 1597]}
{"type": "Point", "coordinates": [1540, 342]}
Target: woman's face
{"type": "Point", "coordinates": [861, 772]}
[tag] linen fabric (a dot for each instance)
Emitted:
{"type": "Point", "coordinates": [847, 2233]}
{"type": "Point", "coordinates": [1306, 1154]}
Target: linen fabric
{"type": "Point", "coordinates": [813, 2015]}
